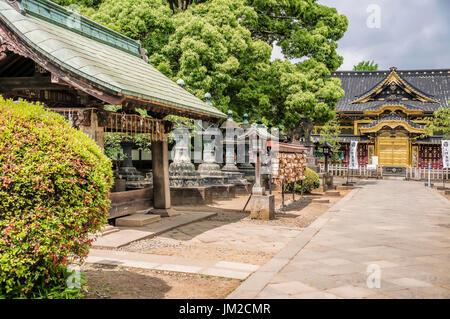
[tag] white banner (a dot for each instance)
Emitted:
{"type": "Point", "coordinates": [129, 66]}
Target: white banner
{"type": "Point", "coordinates": [353, 160]}
{"type": "Point", "coordinates": [445, 153]}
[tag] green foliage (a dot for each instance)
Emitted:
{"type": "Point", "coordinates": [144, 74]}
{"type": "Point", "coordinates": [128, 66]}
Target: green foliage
{"type": "Point", "coordinates": [365, 66]}
{"type": "Point", "coordinates": [112, 147]}
{"type": "Point", "coordinates": [142, 112]}
{"type": "Point", "coordinates": [214, 53]}
{"type": "Point", "coordinates": [112, 108]}
{"type": "Point", "coordinates": [439, 123]}
{"type": "Point", "coordinates": [149, 21]}
{"type": "Point", "coordinates": [310, 183]}
{"type": "Point", "coordinates": [330, 133]}
{"type": "Point", "coordinates": [302, 28]}
{"type": "Point", "coordinates": [304, 94]}
{"type": "Point", "coordinates": [224, 47]}
{"type": "Point", "coordinates": [54, 185]}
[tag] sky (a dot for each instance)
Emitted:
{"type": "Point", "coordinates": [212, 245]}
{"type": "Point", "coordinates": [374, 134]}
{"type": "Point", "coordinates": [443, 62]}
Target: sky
{"type": "Point", "coordinates": [408, 34]}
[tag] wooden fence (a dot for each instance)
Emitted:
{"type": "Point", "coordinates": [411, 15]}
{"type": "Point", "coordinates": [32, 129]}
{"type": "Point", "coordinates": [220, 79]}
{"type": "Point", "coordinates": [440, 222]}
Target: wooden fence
{"type": "Point", "coordinates": [342, 170]}
{"type": "Point", "coordinates": [412, 173]}
{"type": "Point", "coordinates": [419, 174]}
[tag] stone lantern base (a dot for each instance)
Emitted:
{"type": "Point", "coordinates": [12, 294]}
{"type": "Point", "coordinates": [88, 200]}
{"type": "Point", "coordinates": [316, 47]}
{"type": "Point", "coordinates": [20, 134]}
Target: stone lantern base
{"type": "Point", "coordinates": [262, 207]}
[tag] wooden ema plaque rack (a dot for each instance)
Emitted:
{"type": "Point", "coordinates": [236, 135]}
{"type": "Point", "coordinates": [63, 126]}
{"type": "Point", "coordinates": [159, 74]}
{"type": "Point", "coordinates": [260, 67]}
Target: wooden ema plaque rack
{"type": "Point", "coordinates": [288, 162]}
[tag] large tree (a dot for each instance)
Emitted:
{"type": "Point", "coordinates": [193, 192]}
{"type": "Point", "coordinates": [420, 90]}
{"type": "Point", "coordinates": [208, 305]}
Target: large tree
{"type": "Point", "coordinates": [224, 47]}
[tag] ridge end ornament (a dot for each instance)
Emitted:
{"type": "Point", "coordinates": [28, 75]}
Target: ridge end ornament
{"type": "Point", "coordinates": [17, 4]}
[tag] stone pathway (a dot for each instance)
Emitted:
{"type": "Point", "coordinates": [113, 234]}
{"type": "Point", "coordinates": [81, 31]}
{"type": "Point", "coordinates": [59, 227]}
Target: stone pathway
{"type": "Point", "coordinates": [171, 263]}
{"type": "Point", "coordinates": [394, 231]}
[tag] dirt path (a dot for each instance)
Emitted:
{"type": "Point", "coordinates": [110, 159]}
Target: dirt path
{"type": "Point", "coordinates": [134, 283]}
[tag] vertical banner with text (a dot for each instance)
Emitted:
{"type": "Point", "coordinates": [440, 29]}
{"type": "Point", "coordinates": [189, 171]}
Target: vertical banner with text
{"type": "Point", "coordinates": [445, 153]}
{"type": "Point", "coordinates": [353, 163]}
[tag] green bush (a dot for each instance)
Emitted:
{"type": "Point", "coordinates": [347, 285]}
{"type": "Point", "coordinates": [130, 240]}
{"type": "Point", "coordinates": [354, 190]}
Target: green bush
{"type": "Point", "coordinates": [311, 182]}
{"type": "Point", "coordinates": [54, 185]}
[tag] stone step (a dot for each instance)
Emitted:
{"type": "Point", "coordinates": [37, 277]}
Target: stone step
{"type": "Point", "coordinates": [332, 193]}
{"type": "Point", "coordinates": [320, 200]}
{"type": "Point", "coordinates": [108, 229]}
{"type": "Point", "coordinates": [114, 230]}
{"type": "Point", "coordinates": [144, 211]}
{"type": "Point", "coordinates": [447, 192]}
{"type": "Point", "coordinates": [137, 220]}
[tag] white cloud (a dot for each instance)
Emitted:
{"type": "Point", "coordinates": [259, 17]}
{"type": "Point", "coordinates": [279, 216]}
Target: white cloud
{"type": "Point", "coordinates": [352, 56]}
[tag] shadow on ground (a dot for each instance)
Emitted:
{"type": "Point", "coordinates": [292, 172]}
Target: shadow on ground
{"type": "Point", "coordinates": [132, 283]}
{"type": "Point", "coordinates": [123, 284]}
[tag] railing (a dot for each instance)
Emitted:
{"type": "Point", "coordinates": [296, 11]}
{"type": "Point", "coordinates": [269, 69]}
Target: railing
{"type": "Point", "coordinates": [418, 174]}
{"type": "Point", "coordinates": [342, 170]}
{"type": "Point", "coordinates": [412, 173]}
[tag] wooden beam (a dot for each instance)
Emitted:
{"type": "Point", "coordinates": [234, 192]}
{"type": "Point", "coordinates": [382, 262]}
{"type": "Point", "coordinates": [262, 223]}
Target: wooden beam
{"type": "Point", "coordinates": [24, 83]}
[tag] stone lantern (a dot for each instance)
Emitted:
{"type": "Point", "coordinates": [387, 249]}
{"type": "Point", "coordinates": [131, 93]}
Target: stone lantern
{"type": "Point", "coordinates": [127, 170]}
{"type": "Point", "coordinates": [246, 167]}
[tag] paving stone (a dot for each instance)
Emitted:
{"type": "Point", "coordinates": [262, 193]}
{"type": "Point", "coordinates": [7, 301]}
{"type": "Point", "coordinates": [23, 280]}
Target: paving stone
{"type": "Point", "coordinates": [227, 273]}
{"type": "Point", "coordinates": [316, 295]}
{"type": "Point", "coordinates": [332, 193]}
{"type": "Point", "coordinates": [321, 200]}
{"type": "Point", "coordinates": [236, 266]}
{"type": "Point", "coordinates": [350, 292]}
{"type": "Point", "coordinates": [334, 261]}
{"type": "Point", "coordinates": [171, 263]}
{"type": "Point", "coordinates": [121, 238]}
{"type": "Point", "coordinates": [291, 288]}
{"type": "Point", "coordinates": [393, 224]}
{"type": "Point", "coordinates": [137, 220]}
{"type": "Point", "coordinates": [381, 263]}
{"type": "Point", "coordinates": [420, 293]}
{"type": "Point", "coordinates": [179, 268]}
{"type": "Point", "coordinates": [410, 282]}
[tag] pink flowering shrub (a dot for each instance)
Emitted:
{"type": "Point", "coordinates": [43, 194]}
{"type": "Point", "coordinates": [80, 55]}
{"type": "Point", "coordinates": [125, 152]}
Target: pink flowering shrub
{"type": "Point", "coordinates": [54, 185]}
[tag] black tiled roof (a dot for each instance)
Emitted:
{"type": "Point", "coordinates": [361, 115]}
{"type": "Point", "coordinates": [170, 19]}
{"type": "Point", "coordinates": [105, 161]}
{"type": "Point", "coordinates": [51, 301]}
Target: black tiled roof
{"type": "Point", "coordinates": [410, 105]}
{"type": "Point", "coordinates": [434, 83]}
{"type": "Point", "coordinates": [392, 117]}
{"type": "Point", "coordinates": [429, 140]}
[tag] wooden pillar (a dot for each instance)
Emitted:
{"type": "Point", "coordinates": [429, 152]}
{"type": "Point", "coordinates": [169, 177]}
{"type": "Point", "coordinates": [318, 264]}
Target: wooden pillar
{"type": "Point", "coordinates": [94, 131]}
{"type": "Point", "coordinates": [161, 186]}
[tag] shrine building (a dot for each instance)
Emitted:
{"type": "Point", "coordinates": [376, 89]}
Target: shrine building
{"type": "Point", "coordinates": [74, 67]}
{"type": "Point", "coordinates": [385, 111]}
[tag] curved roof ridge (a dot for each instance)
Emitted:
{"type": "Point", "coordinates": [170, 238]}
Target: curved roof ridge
{"type": "Point", "coordinates": [344, 72]}
{"type": "Point", "coordinates": [51, 12]}
{"type": "Point", "coordinates": [393, 74]}
{"type": "Point", "coordinates": [392, 117]}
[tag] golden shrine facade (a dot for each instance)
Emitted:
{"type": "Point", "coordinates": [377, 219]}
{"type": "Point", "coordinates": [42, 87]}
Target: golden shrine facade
{"type": "Point", "coordinates": [386, 111]}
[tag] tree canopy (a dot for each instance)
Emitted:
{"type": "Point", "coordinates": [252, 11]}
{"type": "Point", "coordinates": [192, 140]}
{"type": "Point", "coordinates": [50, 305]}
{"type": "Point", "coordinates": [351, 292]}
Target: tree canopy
{"type": "Point", "coordinates": [224, 47]}
{"type": "Point", "coordinates": [365, 66]}
{"type": "Point", "coordinates": [439, 123]}
{"type": "Point", "coordinates": [330, 133]}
